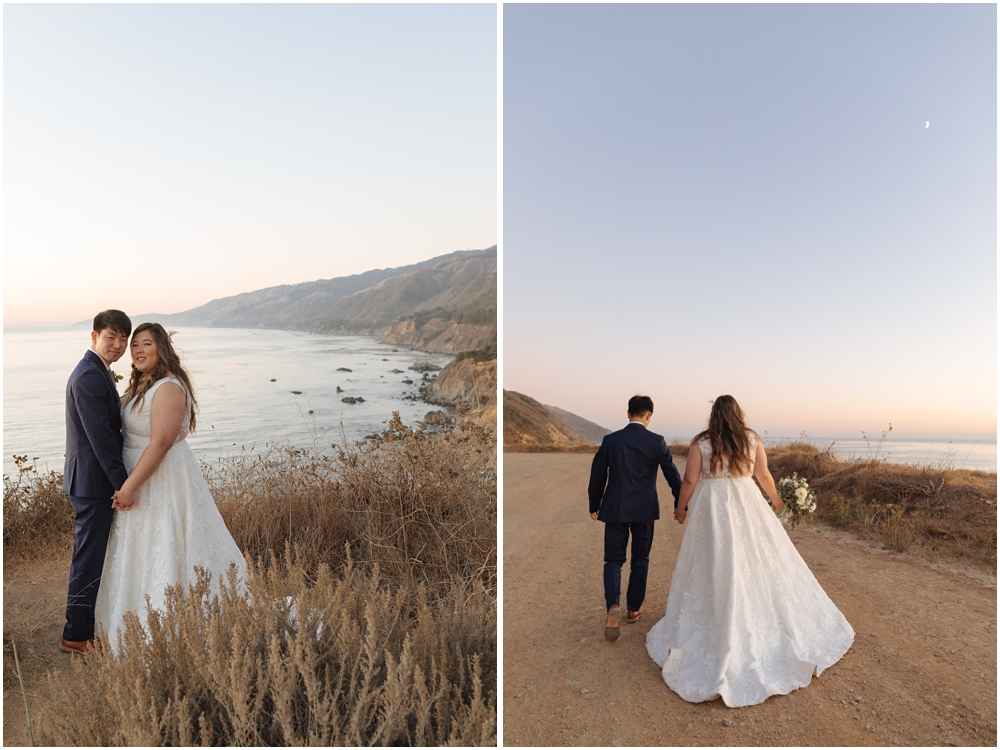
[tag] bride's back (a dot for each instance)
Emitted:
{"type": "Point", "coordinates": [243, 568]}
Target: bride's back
{"type": "Point", "coordinates": [722, 468]}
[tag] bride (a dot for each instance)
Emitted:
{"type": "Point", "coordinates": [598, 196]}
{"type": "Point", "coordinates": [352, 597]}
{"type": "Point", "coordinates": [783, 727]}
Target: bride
{"type": "Point", "coordinates": [745, 618]}
{"type": "Point", "coordinates": [169, 523]}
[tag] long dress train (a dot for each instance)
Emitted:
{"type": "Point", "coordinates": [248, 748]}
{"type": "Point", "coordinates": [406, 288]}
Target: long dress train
{"type": "Point", "coordinates": [745, 617]}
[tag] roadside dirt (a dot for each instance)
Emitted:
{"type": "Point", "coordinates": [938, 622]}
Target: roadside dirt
{"type": "Point", "coordinates": [922, 670]}
{"type": "Point", "coordinates": [35, 593]}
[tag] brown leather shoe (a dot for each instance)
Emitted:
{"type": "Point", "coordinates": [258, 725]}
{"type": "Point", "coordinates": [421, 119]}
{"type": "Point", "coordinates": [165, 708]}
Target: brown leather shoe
{"type": "Point", "coordinates": [631, 617]}
{"type": "Point", "coordinates": [79, 647]}
{"type": "Point", "coordinates": [611, 631]}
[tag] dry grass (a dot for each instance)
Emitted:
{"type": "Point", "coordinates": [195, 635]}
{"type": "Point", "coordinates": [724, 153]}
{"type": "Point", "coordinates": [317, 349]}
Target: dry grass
{"type": "Point", "coordinates": [679, 449]}
{"type": "Point", "coordinates": [37, 515]}
{"type": "Point", "coordinates": [937, 512]}
{"type": "Point", "coordinates": [335, 660]}
{"type": "Point", "coordinates": [381, 631]}
{"type": "Point", "coordinates": [420, 505]}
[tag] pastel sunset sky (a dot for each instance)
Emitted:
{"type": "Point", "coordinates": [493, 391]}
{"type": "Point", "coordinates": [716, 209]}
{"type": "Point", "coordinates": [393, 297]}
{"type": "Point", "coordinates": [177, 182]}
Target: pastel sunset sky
{"type": "Point", "coordinates": [160, 156]}
{"type": "Point", "coordinates": [792, 204]}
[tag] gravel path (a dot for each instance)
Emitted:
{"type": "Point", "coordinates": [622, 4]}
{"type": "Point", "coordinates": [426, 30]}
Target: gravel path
{"type": "Point", "coordinates": [922, 670]}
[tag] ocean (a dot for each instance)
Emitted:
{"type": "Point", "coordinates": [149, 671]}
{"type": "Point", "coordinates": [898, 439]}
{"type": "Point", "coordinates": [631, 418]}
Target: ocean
{"type": "Point", "coordinates": [255, 389]}
{"type": "Point", "coordinates": [938, 453]}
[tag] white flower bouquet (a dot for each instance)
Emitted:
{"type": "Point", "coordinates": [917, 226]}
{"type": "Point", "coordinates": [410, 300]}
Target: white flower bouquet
{"type": "Point", "coordinates": [798, 499]}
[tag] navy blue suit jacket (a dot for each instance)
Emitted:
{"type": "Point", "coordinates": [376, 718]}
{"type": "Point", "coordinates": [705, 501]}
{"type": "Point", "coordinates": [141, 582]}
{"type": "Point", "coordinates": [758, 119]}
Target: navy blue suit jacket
{"type": "Point", "coordinates": [623, 475]}
{"type": "Point", "coordinates": [94, 466]}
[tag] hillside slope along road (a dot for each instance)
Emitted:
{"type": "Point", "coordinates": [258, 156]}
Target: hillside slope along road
{"type": "Point", "coordinates": [922, 670]}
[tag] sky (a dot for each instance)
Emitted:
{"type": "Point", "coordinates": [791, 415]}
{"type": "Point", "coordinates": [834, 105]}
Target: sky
{"type": "Point", "coordinates": [160, 156]}
{"type": "Point", "coordinates": [792, 204]}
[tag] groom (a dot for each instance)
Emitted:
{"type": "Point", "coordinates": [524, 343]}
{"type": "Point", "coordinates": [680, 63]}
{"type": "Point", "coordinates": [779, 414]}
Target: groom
{"type": "Point", "coordinates": [94, 469]}
{"type": "Point", "coordinates": [623, 494]}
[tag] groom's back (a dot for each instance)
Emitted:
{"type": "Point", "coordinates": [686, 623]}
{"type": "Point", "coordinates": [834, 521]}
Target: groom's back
{"type": "Point", "coordinates": [623, 475]}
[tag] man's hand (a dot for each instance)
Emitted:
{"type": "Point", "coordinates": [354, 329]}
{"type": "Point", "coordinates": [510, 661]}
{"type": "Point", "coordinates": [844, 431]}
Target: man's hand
{"type": "Point", "coordinates": [122, 501]}
{"type": "Point", "coordinates": [680, 514]}
{"type": "Point", "coordinates": [594, 515]}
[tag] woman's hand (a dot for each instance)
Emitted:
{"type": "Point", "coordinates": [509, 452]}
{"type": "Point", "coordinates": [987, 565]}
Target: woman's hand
{"type": "Point", "coordinates": [763, 475]}
{"type": "Point", "coordinates": [123, 500]}
{"type": "Point", "coordinates": [692, 473]}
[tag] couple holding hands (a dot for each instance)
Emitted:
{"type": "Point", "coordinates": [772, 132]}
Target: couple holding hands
{"type": "Point", "coordinates": [144, 516]}
{"type": "Point", "coordinates": [745, 616]}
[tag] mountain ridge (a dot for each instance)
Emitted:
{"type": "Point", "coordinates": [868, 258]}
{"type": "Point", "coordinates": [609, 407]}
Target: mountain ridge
{"type": "Point", "coordinates": [529, 426]}
{"type": "Point", "coordinates": [446, 304]}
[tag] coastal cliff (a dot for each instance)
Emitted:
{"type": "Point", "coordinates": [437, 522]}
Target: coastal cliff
{"type": "Point", "coordinates": [469, 380]}
{"type": "Point", "coordinates": [440, 335]}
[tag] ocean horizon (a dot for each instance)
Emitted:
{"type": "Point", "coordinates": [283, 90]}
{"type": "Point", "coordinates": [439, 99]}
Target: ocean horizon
{"type": "Point", "coordinates": [256, 388]}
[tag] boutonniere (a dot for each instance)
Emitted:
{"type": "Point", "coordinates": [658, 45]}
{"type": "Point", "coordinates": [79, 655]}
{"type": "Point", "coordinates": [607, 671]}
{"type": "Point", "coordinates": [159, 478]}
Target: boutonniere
{"type": "Point", "coordinates": [117, 377]}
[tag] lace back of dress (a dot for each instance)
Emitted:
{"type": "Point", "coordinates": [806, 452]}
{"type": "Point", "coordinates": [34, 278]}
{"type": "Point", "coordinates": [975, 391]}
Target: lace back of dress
{"type": "Point", "coordinates": [705, 446]}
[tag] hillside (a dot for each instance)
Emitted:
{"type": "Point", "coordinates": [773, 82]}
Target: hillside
{"type": "Point", "coordinates": [446, 304]}
{"type": "Point", "coordinates": [528, 425]}
{"type": "Point", "coordinates": [582, 427]}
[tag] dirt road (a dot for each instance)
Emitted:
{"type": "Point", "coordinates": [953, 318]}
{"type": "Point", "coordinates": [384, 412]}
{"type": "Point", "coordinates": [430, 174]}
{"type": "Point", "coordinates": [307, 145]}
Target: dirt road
{"type": "Point", "coordinates": [922, 670]}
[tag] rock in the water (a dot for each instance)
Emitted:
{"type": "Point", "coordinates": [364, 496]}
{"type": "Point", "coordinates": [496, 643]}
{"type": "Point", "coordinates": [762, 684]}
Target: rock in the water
{"type": "Point", "coordinates": [274, 380]}
{"type": "Point", "coordinates": [385, 359]}
{"type": "Point", "coordinates": [423, 367]}
{"type": "Point", "coordinates": [408, 381]}
{"type": "Point", "coordinates": [339, 389]}
{"type": "Point", "coordinates": [395, 350]}
{"type": "Point", "coordinates": [395, 371]}
{"type": "Point", "coordinates": [344, 369]}
{"type": "Point", "coordinates": [310, 411]}
{"type": "Point", "coordinates": [297, 393]}
{"type": "Point", "coordinates": [359, 400]}
{"type": "Point", "coordinates": [436, 417]}
{"type": "Point", "coordinates": [349, 400]}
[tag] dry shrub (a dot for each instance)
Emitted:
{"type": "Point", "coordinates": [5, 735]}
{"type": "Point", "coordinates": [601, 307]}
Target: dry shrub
{"type": "Point", "coordinates": [799, 446]}
{"type": "Point", "coordinates": [37, 514]}
{"type": "Point", "coordinates": [291, 660]}
{"type": "Point", "coordinates": [951, 512]}
{"type": "Point", "coordinates": [679, 449]}
{"type": "Point", "coordinates": [421, 505]}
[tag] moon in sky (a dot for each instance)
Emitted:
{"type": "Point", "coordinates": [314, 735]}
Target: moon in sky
{"type": "Point", "coordinates": [927, 125]}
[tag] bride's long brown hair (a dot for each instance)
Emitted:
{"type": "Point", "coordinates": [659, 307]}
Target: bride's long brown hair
{"type": "Point", "coordinates": [729, 437]}
{"type": "Point", "coordinates": [169, 362]}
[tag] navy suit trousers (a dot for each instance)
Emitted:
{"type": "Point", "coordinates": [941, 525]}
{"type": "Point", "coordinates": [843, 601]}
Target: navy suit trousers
{"type": "Point", "coordinates": [615, 544]}
{"type": "Point", "coordinates": [92, 528]}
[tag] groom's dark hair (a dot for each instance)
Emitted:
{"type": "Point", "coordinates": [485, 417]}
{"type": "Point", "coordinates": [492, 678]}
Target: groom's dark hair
{"type": "Point", "coordinates": [116, 320]}
{"type": "Point", "coordinates": [639, 405]}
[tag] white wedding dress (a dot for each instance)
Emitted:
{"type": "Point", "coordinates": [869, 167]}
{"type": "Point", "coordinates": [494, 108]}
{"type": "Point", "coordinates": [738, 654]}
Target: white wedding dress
{"type": "Point", "coordinates": [746, 618]}
{"type": "Point", "coordinates": [173, 527]}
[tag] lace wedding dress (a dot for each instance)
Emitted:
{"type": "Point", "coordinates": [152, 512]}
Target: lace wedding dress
{"type": "Point", "coordinates": [173, 527]}
{"type": "Point", "coordinates": [746, 618]}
